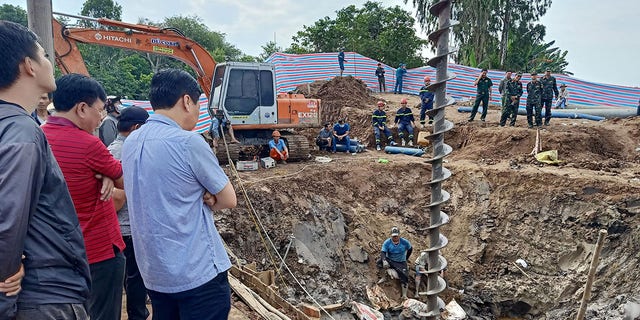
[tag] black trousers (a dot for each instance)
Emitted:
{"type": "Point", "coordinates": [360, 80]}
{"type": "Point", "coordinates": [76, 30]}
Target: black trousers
{"type": "Point", "coordinates": [133, 285]}
{"type": "Point", "coordinates": [105, 299]}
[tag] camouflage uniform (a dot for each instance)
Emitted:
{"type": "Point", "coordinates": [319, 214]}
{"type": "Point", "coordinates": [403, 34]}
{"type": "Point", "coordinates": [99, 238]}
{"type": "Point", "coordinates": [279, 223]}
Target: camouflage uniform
{"type": "Point", "coordinates": [534, 102]}
{"type": "Point", "coordinates": [484, 89]}
{"type": "Point", "coordinates": [502, 88]}
{"type": "Point", "coordinates": [549, 89]}
{"type": "Point", "coordinates": [512, 94]}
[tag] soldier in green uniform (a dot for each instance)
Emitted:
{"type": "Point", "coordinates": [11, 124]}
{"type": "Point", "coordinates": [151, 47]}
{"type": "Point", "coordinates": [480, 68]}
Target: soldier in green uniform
{"type": "Point", "coordinates": [534, 100]}
{"type": "Point", "coordinates": [549, 90]}
{"type": "Point", "coordinates": [513, 92]}
{"type": "Point", "coordinates": [502, 88]}
{"type": "Point", "coordinates": [484, 86]}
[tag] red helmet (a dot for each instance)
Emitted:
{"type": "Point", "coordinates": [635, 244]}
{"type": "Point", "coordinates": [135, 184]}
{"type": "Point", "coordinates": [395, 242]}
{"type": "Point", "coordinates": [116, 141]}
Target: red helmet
{"type": "Point", "coordinates": [381, 103]}
{"type": "Point", "coordinates": [427, 78]}
{"type": "Point", "coordinates": [403, 101]}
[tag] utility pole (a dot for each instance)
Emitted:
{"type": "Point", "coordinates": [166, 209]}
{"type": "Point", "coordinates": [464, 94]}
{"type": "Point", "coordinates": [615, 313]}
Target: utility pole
{"type": "Point", "coordinates": [39, 15]}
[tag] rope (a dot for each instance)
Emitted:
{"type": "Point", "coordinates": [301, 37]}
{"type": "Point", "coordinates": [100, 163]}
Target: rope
{"type": "Point", "coordinates": [261, 229]}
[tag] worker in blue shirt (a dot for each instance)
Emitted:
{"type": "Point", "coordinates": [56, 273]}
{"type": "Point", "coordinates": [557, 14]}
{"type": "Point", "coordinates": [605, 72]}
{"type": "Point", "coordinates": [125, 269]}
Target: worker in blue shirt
{"type": "Point", "coordinates": [379, 122]}
{"type": "Point", "coordinates": [278, 150]}
{"type": "Point", "coordinates": [426, 101]}
{"type": "Point", "coordinates": [341, 60]}
{"type": "Point", "coordinates": [400, 73]}
{"type": "Point", "coordinates": [394, 255]}
{"type": "Point", "coordinates": [341, 135]}
{"type": "Point", "coordinates": [405, 121]}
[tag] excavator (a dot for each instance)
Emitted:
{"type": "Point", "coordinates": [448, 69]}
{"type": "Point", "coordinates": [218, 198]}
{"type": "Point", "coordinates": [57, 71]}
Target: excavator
{"type": "Point", "coordinates": [244, 92]}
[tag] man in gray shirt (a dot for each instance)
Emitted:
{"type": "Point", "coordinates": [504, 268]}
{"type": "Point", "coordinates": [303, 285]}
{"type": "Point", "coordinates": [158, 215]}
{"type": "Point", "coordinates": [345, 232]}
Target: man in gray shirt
{"type": "Point", "coordinates": [108, 130]}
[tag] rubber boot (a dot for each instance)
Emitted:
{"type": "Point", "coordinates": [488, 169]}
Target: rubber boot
{"type": "Point", "coordinates": [404, 291]}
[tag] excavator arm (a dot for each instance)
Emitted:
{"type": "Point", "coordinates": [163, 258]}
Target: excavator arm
{"type": "Point", "coordinates": [167, 42]}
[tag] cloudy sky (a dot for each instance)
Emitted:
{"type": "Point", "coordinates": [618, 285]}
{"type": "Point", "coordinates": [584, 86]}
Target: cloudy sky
{"type": "Point", "coordinates": [601, 36]}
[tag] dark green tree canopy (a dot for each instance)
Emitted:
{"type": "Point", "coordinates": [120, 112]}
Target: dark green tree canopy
{"type": "Point", "coordinates": [384, 34]}
{"type": "Point", "coordinates": [13, 14]}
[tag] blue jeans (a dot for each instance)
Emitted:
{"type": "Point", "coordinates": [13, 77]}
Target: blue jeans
{"type": "Point", "coordinates": [385, 130]}
{"type": "Point", "coordinates": [71, 311]}
{"type": "Point", "coordinates": [107, 277]}
{"type": "Point", "coordinates": [405, 126]}
{"type": "Point", "coordinates": [210, 301]}
{"type": "Point", "coordinates": [346, 141]}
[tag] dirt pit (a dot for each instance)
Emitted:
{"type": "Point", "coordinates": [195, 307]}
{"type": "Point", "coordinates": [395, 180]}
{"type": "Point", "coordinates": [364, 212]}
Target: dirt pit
{"type": "Point", "coordinates": [504, 206]}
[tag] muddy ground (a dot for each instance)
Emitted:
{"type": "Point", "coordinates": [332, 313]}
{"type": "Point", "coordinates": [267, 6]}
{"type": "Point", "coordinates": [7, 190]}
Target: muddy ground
{"type": "Point", "coordinates": [504, 206]}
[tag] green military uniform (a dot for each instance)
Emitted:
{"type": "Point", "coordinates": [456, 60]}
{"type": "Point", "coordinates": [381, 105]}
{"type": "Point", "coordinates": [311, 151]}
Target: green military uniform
{"type": "Point", "coordinates": [502, 88]}
{"type": "Point", "coordinates": [549, 88]}
{"type": "Point", "coordinates": [534, 102]}
{"type": "Point", "coordinates": [513, 92]}
{"type": "Point", "coordinates": [484, 85]}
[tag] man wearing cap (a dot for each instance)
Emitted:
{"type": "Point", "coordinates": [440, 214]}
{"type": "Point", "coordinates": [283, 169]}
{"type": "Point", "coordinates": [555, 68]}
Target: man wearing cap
{"type": "Point", "coordinates": [341, 135]}
{"type": "Point", "coordinates": [400, 73]}
{"type": "Point", "coordinates": [278, 150]}
{"type": "Point", "coordinates": [563, 97]}
{"type": "Point", "coordinates": [534, 100]}
{"type": "Point", "coordinates": [512, 92]}
{"type": "Point", "coordinates": [394, 254]}
{"type": "Point", "coordinates": [405, 121]}
{"type": "Point", "coordinates": [549, 90]}
{"type": "Point", "coordinates": [502, 88]}
{"type": "Point", "coordinates": [108, 130]}
{"type": "Point", "coordinates": [341, 60]}
{"type": "Point", "coordinates": [379, 122]}
{"type": "Point", "coordinates": [131, 119]}
{"type": "Point", "coordinates": [426, 101]}
{"type": "Point", "coordinates": [380, 74]}
{"type": "Point", "coordinates": [483, 84]}
{"type": "Point", "coordinates": [325, 137]}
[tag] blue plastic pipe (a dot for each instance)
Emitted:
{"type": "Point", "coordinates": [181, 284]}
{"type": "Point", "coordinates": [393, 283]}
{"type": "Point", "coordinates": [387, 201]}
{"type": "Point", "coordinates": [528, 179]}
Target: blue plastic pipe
{"type": "Point", "coordinates": [403, 150]}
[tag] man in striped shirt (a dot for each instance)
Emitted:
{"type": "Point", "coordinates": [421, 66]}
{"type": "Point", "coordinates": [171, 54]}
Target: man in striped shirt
{"type": "Point", "coordinates": [91, 173]}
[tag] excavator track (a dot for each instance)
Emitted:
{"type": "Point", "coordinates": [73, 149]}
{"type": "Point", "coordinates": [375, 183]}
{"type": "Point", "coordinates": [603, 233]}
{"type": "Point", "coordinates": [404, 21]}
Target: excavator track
{"type": "Point", "coordinates": [298, 147]}
{"type": "Point", "coordinates": [234, 151]}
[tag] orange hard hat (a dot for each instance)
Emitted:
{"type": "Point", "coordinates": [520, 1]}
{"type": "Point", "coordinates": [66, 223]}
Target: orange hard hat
{"type": "Point", "coordinates": [427, 78]}
{"type": "Point", "coordinates": [275, 133]}
{"type": "Point", "coordinates": [403, 101]}
{"type": "Point", "coordinates": [380, 103]}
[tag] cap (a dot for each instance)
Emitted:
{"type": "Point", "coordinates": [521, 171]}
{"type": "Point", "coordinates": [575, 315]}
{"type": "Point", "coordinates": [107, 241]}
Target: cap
{"type": "Point", "coordinates": [130, 116]}
{"type": "Point", "coordinates": [114, 98]}
{"type": "Point", "coordinates": [534, 73]}
{"type": "Point", "coordinates": [275, 133]}
{"type": "Point", "coordinates": [380, 103]}
{"type": "Point", "coordinates": [548, 70]}
{"type": "Point", "coordinates": [395, 231]}
{"type": "Point", "coordinates": [563, 85]}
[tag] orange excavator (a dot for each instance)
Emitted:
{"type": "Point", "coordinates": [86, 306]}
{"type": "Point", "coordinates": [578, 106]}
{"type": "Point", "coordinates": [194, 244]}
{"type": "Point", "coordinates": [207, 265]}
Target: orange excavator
{"type": "Point", "coordinates": [244, 92]}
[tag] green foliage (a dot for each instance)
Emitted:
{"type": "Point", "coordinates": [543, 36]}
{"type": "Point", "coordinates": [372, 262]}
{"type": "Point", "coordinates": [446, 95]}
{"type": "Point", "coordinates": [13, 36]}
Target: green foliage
{"type": "Point", "coordinates": [384, 34]}
{"type": "Point", "coordinates": [499, 34]}
{"type": "Point", "coordinates": [268, 49]}
{"type": "Point", "coordinates": [13, 14]}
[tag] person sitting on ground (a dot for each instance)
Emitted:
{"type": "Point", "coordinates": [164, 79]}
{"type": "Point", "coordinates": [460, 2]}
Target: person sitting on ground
{"type": "Point", "coordinates": [426, 102]}
{"type": "Point", "coordinates": [41, 113]}
{"type": "Point", "coordinates": [325, 137]}
{"type": "Point", "coordinates": [379, 120]}
{"type": "Point", "coordinates": [130, 120]}
{"type": "Point", "coordinates": [341, 135]}
{"type": "Point", "coordinates": [405, 121]}
{"type": "Point", "coordinates": [563, 97]}
{"type": "Point", "coordinates": [108, 130]}
{"type": "Point", "coordinates": [394, 254]}
{"type": "Point", "coordinates": [277, 148]}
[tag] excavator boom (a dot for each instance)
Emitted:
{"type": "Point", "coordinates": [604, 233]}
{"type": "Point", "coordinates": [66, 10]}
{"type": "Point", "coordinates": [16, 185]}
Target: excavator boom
{"type": "Point", "coordinates": [149, 39]}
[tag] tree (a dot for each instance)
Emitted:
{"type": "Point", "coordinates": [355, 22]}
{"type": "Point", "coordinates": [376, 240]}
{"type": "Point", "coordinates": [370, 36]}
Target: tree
{"type": "Point", "coordinates": [268, 49]}
{"type": "Point", "coordinates": [384, 34]}
{"type": "Point", "coordinates": [508, 25]}
{"type": "Point", "coordinates": [14, 14]}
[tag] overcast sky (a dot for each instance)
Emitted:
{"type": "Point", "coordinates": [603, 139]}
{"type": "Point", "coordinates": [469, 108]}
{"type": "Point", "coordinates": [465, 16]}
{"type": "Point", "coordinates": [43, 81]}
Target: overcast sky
{"type": "Point", "coordinates": [601, 36]}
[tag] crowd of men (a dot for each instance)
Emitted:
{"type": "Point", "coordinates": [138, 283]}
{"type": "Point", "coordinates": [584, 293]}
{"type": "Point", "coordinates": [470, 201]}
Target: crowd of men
{"type": "Point", "coordinates": [74, 206]}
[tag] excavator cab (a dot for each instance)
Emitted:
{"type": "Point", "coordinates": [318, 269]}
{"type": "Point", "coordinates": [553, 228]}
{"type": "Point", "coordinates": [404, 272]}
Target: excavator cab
{"type": "Point", "coordinates": [245, 92]}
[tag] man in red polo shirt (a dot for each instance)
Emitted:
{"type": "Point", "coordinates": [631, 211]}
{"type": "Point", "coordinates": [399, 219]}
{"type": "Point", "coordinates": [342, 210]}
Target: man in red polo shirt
{"type": "Point", "coordinates": [91, 174]}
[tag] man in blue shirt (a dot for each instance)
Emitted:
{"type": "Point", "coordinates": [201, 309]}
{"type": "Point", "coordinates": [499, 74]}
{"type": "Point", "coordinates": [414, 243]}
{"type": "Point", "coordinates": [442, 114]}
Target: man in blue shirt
{"type": "Point", "coordinates": [341, 60]}
{"type": "Point", "coordinates": [400, 73]}
{"type": "Point", "coordinates": [379, 121]}
{"type": "Point", "coordinates": [405, 121]}
{"type": "Point", "coordinates": [278, 150]}
{"type": "Point", "coordinates": [341, 135]}
{"type": "Point", "coordinates": [168, 169]}
{"type": "Point", "coordinates": [394, 254]}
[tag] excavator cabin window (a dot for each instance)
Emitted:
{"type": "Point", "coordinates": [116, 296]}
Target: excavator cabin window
{"type": "Point", "coordinates": [247, 90]}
